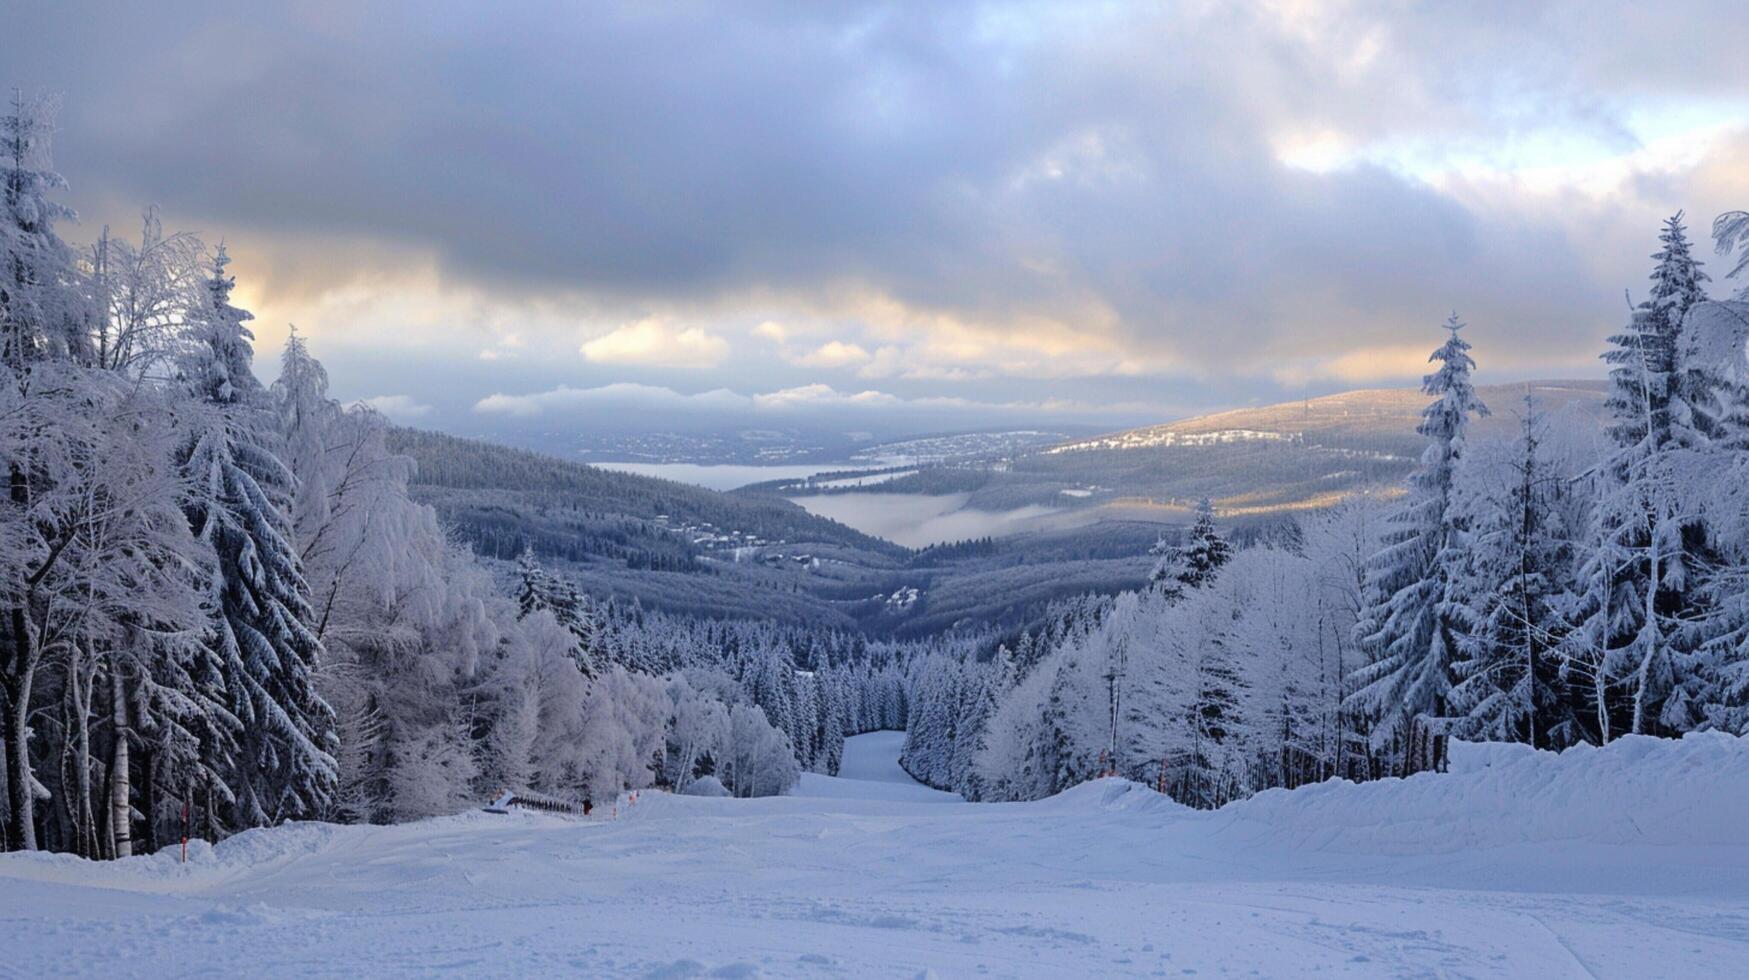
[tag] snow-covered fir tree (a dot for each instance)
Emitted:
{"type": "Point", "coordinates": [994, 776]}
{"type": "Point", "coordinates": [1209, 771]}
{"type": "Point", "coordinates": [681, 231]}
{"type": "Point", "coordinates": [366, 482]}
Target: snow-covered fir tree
{"type": "Point", "coordinates": [1191, 564]}
{"type": "Point", "coordinates": [1650, 545]}
{"type": "Point", "coordinates": [1204, 551]}
{"type": "Point", "coordinates": [1511, 685]}
{"type": "Point", "coordinates": [537, 590]}
{"type": "Point", "coordinates": [41, 314]}
{"type": "Point", "coordinates": [262, 622]}
{"type": "Point", "coordinates": [1413, 618]}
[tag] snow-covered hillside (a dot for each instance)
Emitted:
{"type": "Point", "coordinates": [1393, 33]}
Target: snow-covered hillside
{"type": "Point", "coordinates": [1349, 418]}
{"type": "Point", "coordinates": [1629, 861]}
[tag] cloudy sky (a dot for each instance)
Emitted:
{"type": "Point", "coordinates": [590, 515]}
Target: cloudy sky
{"type": "Point", "coordinates": [947, 213]}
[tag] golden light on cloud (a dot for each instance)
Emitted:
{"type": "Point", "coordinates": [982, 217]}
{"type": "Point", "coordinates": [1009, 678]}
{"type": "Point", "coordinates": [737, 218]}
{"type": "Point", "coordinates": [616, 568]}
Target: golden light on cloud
{"type": "Point", "coordinates": [1378, 363]}
{"type": "Point", "coordinates": [915, 342]}
{"type": "Point", "coordinates": [832, 354]}
{"type": "Point", "coordinates": [772, 330]}
{"type": "Point", "coordinates": [654, 342]}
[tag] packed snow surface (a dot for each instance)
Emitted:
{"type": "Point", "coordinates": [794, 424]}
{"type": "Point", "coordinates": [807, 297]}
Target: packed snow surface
{"type": "Point", "coordinates": [1629, 861]}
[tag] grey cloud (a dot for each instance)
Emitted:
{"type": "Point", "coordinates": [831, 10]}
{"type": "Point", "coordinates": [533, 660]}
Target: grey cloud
{"type": "Point", "coordinates": [648, 152]}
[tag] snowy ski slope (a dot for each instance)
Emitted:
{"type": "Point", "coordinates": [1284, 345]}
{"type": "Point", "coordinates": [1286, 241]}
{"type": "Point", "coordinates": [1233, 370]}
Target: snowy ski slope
{"type": "Point", "coordinates": [1631, 861]}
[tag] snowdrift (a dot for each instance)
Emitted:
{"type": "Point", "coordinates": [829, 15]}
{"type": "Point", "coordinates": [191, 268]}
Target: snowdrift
{"type": "Point", "coordinates": [1114, 793]}
{"type": "Point", "coordinates": [709, 786]}
{"type": "Point", "coordinates": [253, 852]}
{"type": "Point", "coordinates": [1637, 790]}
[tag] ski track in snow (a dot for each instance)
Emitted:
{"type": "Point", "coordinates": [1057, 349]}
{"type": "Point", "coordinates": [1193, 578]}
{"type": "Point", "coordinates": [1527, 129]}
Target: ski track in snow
{"type": "Point", "coordinates": [871, 874]}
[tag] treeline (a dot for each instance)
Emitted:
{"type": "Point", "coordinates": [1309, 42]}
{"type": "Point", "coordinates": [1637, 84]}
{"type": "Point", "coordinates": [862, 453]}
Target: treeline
{"type": "Point", "coordinates": [948, 551]}
{"type": "Point", "coordinates": [1556, 588]}
{"type": "Point", "coordinates": [502, 529]}
{"type": "Point", "coordinates": [814, 686]}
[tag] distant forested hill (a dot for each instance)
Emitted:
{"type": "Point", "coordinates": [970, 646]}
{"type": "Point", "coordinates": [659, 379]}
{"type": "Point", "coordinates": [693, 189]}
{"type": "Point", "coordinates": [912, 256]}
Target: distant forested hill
{"type": "Point", "coordinates": [1252, 463]}
{"type": "Point", "coordinates": [754, 554]}
{"type": "Point", "coordinates": [478, 485]}
{"type": "Point", "coordinates": [693, 551]}
{"type": "Point", "coordinates": [1372, 420]}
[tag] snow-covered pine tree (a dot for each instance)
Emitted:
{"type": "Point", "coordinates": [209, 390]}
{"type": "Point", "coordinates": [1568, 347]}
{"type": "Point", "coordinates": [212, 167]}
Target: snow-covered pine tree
{"type": "Point", "coordinates": [1074, 729]}
{"type": "Point", "coordinates": [1695, 386]}
{"type": "Point", "coordinates": [830, 721]}
{"type": "Point", "coordinates": [534, 586]}
{"type": "Point", "coordinates": [1160, 719]}
{"type": "Point", "coordinates": [1410, 626]}
{"type": "Point", "coordinates": [1205, 550]}
{"type": "Point", "coordinates": [1510, 684]}
{"type": "Point", "coordinates": [261, 616]}
{"type": "Point", "coordinates": [1168, 569]}
{"type": "Point", "coordinates": [986, 685]}
{"type": "Point", "coordinates": [37, 316]}
{"type": "Point", "coordinates": [1193, 564]}
{"type": "Point", "coordinates": [805, 712]}
{"type": "Point", "coordinates": [1640, 594]}
{"type": "Point", "coordinates": [538, 589]}
{"type": "Point", "coordinates": [1648, 393]}
{"type": "Point", "coordinates": [769, 681]}
{"type": "Point", "coordinates": [930, 728]}
{"type": "Point", "coordinates": [1717, 334]}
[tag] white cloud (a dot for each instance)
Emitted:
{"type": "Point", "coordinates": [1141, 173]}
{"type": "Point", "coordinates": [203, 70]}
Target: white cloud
{"type": "Point", "coordinates": [655, 342]}
{"type": "Point", "coordinates": [832, 354]}
{"type": "Point", "coordinates": [723, 405]}
{"type": "Point", "coordinates": [565, 398]}
{"type": "Point", "coordinates": [823, 396]}
{"type": "Point", "coordinates": [401, 408]}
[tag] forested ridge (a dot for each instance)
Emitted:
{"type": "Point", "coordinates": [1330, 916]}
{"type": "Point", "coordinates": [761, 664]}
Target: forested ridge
{"type": "Point", "coordinates": [466, 476]}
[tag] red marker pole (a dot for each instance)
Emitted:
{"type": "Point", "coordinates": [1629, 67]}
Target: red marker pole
{"type": "Point", "coordinates": [185, 830]}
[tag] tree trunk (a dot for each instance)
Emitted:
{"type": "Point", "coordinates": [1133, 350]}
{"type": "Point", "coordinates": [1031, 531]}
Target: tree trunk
{"type": "Point", "coordinates": [84, 819]}
{"type": "Point", "coordinates": [1641, 676]}
{"type": "Point", "coordinates": [1600, 675]}
{"type": "Point", "coordinates": [19, 783]}
{"type": "Point", "coordinates": [120, 789]}
{"type": "Point", "coordinates": [5, 784]}
{"type": "Point", "coordinates": [149, 843]}
{"type": "Point", "coordinates": [22, 832]}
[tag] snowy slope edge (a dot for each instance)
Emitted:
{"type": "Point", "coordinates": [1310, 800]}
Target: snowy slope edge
{"type": "Point", "coordinates": [1636, 790]}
